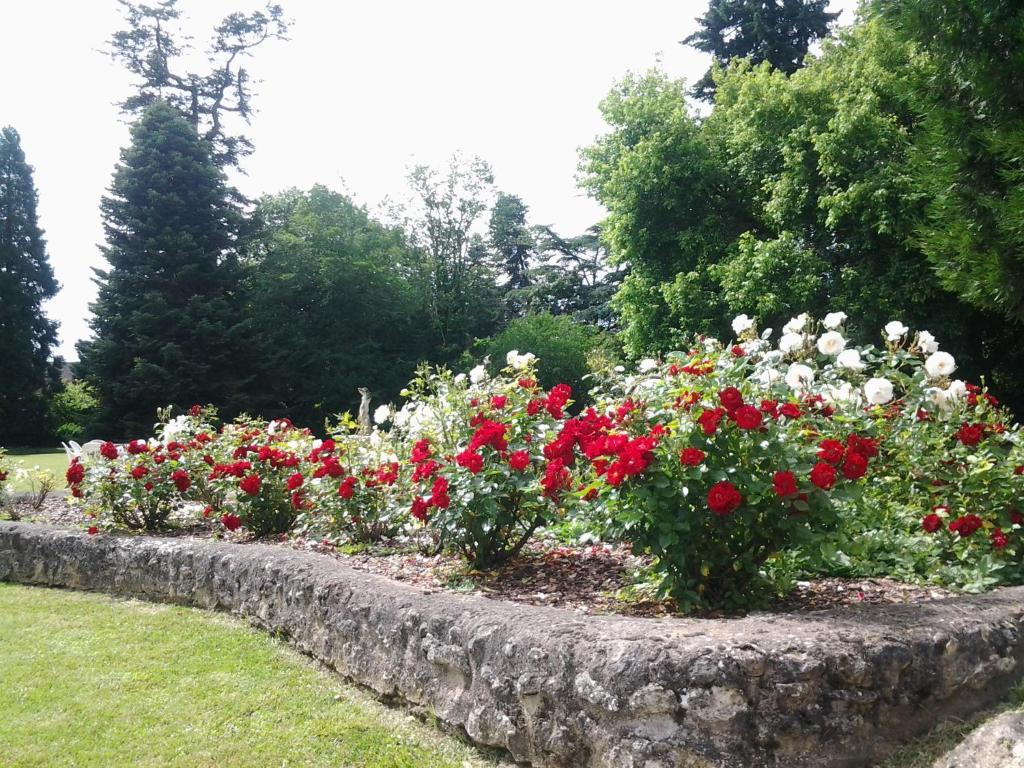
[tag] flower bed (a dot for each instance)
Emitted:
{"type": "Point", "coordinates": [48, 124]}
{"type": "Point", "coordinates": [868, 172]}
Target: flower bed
{"type": "Point", "coordinates": [734, 467]}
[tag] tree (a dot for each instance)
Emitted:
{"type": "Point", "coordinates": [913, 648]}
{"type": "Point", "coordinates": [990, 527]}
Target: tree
{"type": "Point", "coordinates": [26, 280]}
{"type": "Point", "coordinates": [573, 277]}
{"type": "Point", "coordinates": [168, 325]}
{"type": "Point", "coordinates": [671, 211]}
{"type": "Point", "coordinates": [513, 245]}
{"type": "Point", "coordinates": [969, 152]}
{"type": "Point", "coordinates": [464, 298]}
{"type": "Point", "coordinates": [337, 303]}
{"type": "Point", "coordinates": [152, 50]}
{"type": "Point", "coordinates": [779, 32]}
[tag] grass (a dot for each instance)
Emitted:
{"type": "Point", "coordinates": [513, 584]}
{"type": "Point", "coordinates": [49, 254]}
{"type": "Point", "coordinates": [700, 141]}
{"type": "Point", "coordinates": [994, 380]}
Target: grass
{"type": "Point", "coordinates": [54, 460]}
{"type": "Point", "coordinates": [924, 751]}
{"type": "Point", "coordinates": [87, 680]}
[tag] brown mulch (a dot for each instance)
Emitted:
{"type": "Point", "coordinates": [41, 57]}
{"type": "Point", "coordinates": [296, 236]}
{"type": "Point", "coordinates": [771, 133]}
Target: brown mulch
{"type": "Point", "coordinates": [596, 579]}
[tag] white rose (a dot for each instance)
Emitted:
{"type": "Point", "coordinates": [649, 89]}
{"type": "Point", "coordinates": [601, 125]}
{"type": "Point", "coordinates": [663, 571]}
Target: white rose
{"type": "Point", "coordinates": [831, 343]}
{"type": "Point", "coordinates": [459, 379]}
{"type": "Point", "coordinates": [850, 359]}
{"type": "Point", "coordinates": [768, 376]}
{"type": "Point", "coordinates": [833, 320]}
{"type": "Point", "coordinates": [940, 364]}
{"type": "Point", "coordinates": [511, 356]}
{"type": "Point", "coordinates": [799, 376]}
{"type": "Point", "coordinates": [878, 391]}
{"type": "Point", "coordinates": [478, 374]}
{"type": "Point", "coordinates": [790, 342]}
{"type": "Point", "coordinates": [381, 414]}
{"type": "Point", "coordinates": [956, 390]}
{"type": "Point", "coordinates": [646, 365]}
{"type": "Point", "coordinates": [927, 342]}
{"type": "Point", "coordinates": [523, 360]}
{"type": "Point", "coordinates": [941, 398]}
{"type": "Point", "coordinates": [795, 324]}
{"type": "Point", "coordinates": [741, 323]}
{"type": "Point", "coordinates": [844, 393]}
{"type": "Point", "coordinates": [895, 330]}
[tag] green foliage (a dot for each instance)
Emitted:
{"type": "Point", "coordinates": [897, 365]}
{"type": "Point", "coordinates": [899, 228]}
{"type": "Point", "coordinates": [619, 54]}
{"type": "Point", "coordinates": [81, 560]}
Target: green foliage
{"type": "Point", "coordinates": [778, 32]}
{"type": "Point", "coordinates": [513, 243]}
{"type": "Point", "coordinates": [26, 281]}
{"type": "Point", "coordinates": [463, 299]}
{"type": "Point", "coordinates": [320, 263]}
{"type": "Point", "coordinates": [168, 323]}
{"type": "Point", "coordinates": [72, 409]}
{"type": "Point", "coordinates": [669, 209]}
{"type": "Point", "coordinates": [969, 153]}
{"type": "Point", "coordinates": [561, 345]}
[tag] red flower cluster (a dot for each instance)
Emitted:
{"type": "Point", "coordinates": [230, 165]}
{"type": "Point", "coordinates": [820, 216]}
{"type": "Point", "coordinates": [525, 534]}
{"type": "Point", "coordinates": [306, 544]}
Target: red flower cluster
{"type": "Point", "coordinates": [965, 525]}
{"type": "Point", "coordinates": [970, 434]}
{"type": "Point", "coordinates": [723, 498]}
{"type": "Point", "coordinates": [250, 485]}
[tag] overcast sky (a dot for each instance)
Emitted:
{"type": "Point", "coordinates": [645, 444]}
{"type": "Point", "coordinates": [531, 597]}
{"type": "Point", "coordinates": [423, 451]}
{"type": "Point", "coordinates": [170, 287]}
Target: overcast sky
{"type": "Point", "coordinates": [358, 93]}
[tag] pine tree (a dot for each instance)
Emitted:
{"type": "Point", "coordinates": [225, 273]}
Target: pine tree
{"type": "Point", "coordinates": [777, 31]}
{"type": "Point", "coordinates": [26, 280]}
{"type": "Point", "coordinates": [167, 324]}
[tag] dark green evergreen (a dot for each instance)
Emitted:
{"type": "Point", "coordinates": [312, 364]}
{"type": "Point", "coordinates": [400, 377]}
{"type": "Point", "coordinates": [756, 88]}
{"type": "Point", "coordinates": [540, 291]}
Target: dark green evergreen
{"type": "Point", "coordinates": [777, 31]}
{"type": "Point", "coordinates": [26, 280]}
{"type": "Point", "coordinates": [168, 325]}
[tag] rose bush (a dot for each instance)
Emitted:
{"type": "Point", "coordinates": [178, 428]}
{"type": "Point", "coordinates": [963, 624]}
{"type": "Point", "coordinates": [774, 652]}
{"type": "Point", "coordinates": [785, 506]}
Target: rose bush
{"type": "Point", "coordinates": [484, 473]}
{"type": "Point", "coordinates": [731, 463]}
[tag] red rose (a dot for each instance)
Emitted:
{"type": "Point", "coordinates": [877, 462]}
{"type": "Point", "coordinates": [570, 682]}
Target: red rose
{"type": "Point", "coordinates": [474, 462]}
{"type": "Point", "coordinates": [75, 473]}
{"type": "Point", "coordinates": [92, 530]}
{"type": "Point", "coordinates": [865, 446]}
{"type": "Point", "coordinates": [770, 408]}
{"type": "Point", "coordinates": [181, 480]}
{"type": "Point", "coordinates": [823, 475]}
{"type": "Point", "coordinates": [830, 451]}
{"type": "Point", "coordinates": [498, 401]}
{"type": "Point", "coordinates": [139, 472]}
{"type": "Point", "coordinates": [855, 466]}
{"type": "Point", "coordinates": [737, 351]}
{"type": "Point", "coordinates": [789, 410]}
{"type": "Point", "coordinates": [527, 383]}
{"type": "Point", "coordinates": [108, 451]}
{"type": "Point", "coordinates": [970, 434]}
{"type": "Point", "coordinates": [556, 478]}
{"type": "Point", "coordinates": [295, 481]}
{"type": "Point", "coordinates": [1016, 518]}
{"type": "Point", "coordinates": [231, 522]}
{"type": "Point", "coordinates": [709, 420]}
{"type": "Point", "coordinates": [137, 446]}
{"type": "Point", "coordinates": [519, 460]}
{"type": "Point", "coordinates": [691, 457]}
{"type": "Point", "coordinates": [723, 498]}
{"type": "Point", "coordinates": [731, 398]}
{"type": "Point", "coordinates": [747, 417]}
{"type": "Point", "coordinates": [250, 484]}
{"type": "Point", "coordinates": [999, 540]}
{"type": "Point", "coordinates": [148, 486]}
{"type": "Point", "coordinates": [421, 451]}
{"type": "Point", "coordinates": [419, 509]}
{"type": "Point", "coordinates": [785, 483]}
{"type": "Point", "coordinates": [931, 523]}
{"type": "Point", "coordinates": [966, 525]}
{"type": "Point", "coordinates": [347, 488]}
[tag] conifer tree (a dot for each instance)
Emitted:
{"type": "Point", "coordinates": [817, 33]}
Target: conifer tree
{"type": "Point", "coordinates": [26, 280]}
{"type": "Point", "coordinates": [777, 31]}
{"type": "Point", "coordinates": [167, 325]}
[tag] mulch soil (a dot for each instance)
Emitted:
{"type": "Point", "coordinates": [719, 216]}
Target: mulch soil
{"type": "Point", "coordinates": [597, 579]}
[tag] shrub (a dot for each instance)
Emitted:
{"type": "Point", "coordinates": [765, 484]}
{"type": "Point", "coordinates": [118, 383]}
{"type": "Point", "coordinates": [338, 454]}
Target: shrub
{"type": "Point", "coordinates": [72, 408]}
{"type": "Point", "coordinates": [561, 347]}
{"type": "Point", "coordinates": [483, 477]}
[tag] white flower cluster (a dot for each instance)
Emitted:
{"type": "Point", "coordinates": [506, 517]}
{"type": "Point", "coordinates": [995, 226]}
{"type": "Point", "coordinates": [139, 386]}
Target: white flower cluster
{"type": "Point", "coordinates": [799, 343]}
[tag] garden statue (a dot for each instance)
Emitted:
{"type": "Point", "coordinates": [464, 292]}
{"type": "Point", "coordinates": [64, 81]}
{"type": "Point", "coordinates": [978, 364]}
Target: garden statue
{"type": "Point", "coordinates": [364, 411]}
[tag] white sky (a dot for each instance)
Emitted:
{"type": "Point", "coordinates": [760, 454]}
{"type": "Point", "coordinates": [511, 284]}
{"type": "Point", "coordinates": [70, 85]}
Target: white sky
{"type": "Point", "coordinates": [359, 92]}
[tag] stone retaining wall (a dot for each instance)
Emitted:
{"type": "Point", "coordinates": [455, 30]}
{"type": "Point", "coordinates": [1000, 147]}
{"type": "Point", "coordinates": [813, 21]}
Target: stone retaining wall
{"type": "Point", "coordinates": [827, 689]}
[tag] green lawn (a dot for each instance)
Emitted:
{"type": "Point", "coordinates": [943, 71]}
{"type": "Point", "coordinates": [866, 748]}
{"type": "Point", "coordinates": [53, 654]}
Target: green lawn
{"type": "Point", "coordinates": [86, 680]}
{"type": "Point", "coordinates": [54, 460]}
